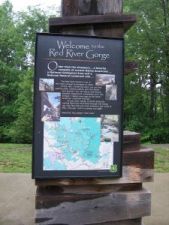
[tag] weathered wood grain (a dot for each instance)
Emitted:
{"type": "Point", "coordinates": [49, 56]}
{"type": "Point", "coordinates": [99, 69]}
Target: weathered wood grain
{"type": "Point", "coordinates": [99, 30]}
{"type": "Point", "coordinates": [86, 30]}
{"type": "Point", "coordinates": [122, 222]}
{"type": "Point", "coordinates": [108, 30]}
{"type": "Point", "coordinates": [83, 190]}
{"type": "Point", "coordinates": [91, 19]}
{"type": "Point", "coordinates": [44, 221]}
{"type": "Point", "coordinates": [126, 21]}
{"type": "Point", "coordinates": [131, 175]}
{"type": "Point", "coordinates": [81, 209]}
{"type": "Point", "coordinates": [131, 141]}
{"type": "Point", "coordinates": [87, 7]}
{"type": "Point", "coordinates": [69, 7]}
{"type": "Point", "coordinates": [142, 158]}
{"type": "Point", "coordinates": [109, 6]}
{"type": "Point", "coordinates": [130, 67]}
{"type": "Point", "coordinates": [91, 7]}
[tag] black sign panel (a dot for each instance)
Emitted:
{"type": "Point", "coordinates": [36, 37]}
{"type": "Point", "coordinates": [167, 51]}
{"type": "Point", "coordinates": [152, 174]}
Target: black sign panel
{"type": "Point", "coordinates": [78, 100]}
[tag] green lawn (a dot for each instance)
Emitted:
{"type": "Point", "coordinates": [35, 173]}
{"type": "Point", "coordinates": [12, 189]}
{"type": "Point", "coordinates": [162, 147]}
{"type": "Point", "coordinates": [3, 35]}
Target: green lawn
{"type": "Point", "coordinates": [16, 158]}
{"type": "Point", "coordinates": [162, 160]}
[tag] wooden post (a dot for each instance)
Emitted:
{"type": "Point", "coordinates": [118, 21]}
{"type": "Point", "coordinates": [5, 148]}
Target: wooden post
{"type": "Point", "coordinates": [91, 7]}
{"type": "Point", "coordinates": [121, 201]}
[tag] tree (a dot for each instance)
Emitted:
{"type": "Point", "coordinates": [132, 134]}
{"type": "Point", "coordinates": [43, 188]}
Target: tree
{"type": "Point", "coordinates": [17, 44]}
{"type": "Point", "coordinates": [28, 23]}
{"type": "Point", "coordinates": [20, 130]}
{"type": "Point", "coordinates": [148, 43]}
{"type": "Point", "coordinates": [11, 50]}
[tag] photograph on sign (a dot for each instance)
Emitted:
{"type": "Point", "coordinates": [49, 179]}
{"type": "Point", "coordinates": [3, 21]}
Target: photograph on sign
{"type": "Point", "coordinates": [105, 79]}
{"type": "Point", "coordinates": [78, 98]}
{"type": "Point", "coordinates": [50, 106]}
{"type": "Point", "coordinates": [111, 92]}
{"type": "Point", "coordinates": [46, 84]}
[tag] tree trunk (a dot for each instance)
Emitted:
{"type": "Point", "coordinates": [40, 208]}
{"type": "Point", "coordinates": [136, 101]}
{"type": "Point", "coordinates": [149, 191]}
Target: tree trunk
{"type": "Point", "coordinates": [162, 104]}
{"type": "Point", "coordinates": [152, 97]}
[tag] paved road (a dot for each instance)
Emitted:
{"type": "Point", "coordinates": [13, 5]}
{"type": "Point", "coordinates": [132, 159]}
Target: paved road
{"type": "Point", "coordinates": [17, 193]}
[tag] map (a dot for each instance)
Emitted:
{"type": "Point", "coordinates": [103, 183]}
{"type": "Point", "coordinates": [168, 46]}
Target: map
{"type": "Point", "coordinates": [75, 143]}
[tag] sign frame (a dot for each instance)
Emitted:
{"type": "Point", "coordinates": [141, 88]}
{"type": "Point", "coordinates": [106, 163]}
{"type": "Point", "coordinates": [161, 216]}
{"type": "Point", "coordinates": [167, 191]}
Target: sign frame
{"type": "Point", "coordinates": [37, 157]}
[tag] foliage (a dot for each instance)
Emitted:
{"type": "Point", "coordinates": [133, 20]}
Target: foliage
{"type": "Point", "coordinates": [159, 135]}
{"type": "Point", "coordinates": [21, 129]}
{"type": "Point", "coordinates": [17, 44]}
{"type": "Point", "coordinates": [10, 52]}
{"type": "Point", "coordinates": [147, 90]}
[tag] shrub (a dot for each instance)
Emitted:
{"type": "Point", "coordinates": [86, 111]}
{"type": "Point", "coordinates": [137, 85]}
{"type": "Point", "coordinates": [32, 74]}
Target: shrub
{"type": "Point", "coordinates": [159, 135]}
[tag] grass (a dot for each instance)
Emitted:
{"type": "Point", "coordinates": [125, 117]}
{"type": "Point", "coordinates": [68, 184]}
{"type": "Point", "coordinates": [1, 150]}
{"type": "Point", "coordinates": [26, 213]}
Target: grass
{"type": "Point", "coordinates": [161, 163]}
{"type": "Point", "coordinates": [16, 158]}
{"type": "Point", "coordinates": [162, 160]}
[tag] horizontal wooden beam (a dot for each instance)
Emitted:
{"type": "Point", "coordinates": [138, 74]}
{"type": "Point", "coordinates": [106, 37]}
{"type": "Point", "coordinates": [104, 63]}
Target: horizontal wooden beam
{"type": "Point", "coordinates": [131, 174]}
{"type": "Point", "coordinates": [129, 67]}
{"type": "Point", "coordinates": [93, 189]}
{"type": "Point", "coordinates": [126, 21]}
{"type": "Point", "coordinates": [142, 158]}
{"type": "Point", "coordinates": [122, 222]}
{"type": "Point", "coordinates": [131, 141]}
{"type": "Point", "coordinates": [77, 209]}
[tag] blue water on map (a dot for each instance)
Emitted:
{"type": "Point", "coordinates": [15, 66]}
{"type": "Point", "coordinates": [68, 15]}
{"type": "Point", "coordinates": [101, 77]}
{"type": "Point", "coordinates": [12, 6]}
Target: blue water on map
{"type": "Point", "coordinates": [74, 137]}
{"type": "Point", "coordinates": [55, 166]}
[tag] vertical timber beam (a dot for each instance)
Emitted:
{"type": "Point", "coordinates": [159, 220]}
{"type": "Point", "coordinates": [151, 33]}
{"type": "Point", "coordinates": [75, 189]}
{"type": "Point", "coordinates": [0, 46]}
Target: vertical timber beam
{"type": "Point", "coordinates": [91, 7]}
{"type": "Point", "coordinates": [75, 8]}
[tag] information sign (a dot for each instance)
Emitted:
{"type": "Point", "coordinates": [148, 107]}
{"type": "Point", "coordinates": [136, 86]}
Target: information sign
{"type": "Point", "coordinates": [78, 100]}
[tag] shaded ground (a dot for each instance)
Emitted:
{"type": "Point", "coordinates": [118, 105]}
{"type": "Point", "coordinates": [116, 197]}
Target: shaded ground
{"type": "Point", "coordinates": [17, 199]}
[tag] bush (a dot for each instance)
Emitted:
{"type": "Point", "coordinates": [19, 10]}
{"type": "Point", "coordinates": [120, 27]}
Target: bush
{"type": "Point", "coordinates": [159, 135]}
{"type": "Point", "coordinates": [134, 125]}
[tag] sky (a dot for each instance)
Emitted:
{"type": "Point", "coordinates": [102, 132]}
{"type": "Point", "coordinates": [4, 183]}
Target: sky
{"type": "Point", "coordinates": [20, 5]}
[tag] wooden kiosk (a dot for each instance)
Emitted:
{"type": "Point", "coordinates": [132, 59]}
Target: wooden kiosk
{"type": "Point", "coordinates": [117, 201]}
